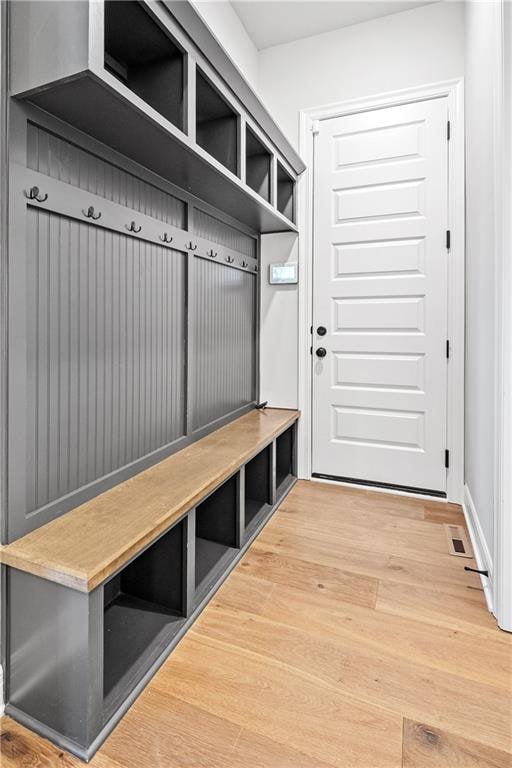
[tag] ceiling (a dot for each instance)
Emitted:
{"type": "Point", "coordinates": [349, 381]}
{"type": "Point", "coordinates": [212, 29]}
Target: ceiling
{"type": "Point", "coordinates": [271, 22]}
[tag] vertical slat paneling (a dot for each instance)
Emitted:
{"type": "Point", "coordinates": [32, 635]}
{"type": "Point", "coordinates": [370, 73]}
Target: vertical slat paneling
{"type": "Point", "coordinates": [105, 349]}
{"type": "Point", "coordinates": [224, 343]}
{"type": "Point", "coordinates": [214, 229]}
{"type": "Point", "coordinates": [62, 160]}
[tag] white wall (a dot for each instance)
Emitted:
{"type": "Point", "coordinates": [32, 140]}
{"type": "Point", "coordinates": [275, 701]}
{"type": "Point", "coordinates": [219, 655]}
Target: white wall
{"type": "Point", "coordinates": [483, 30]}
{"type": "Point", "coordinates": [231, 34]}
{"type": "Point", "coordinates": [411, 48]}
{"type": "Point", "coordinates": [403, 50]}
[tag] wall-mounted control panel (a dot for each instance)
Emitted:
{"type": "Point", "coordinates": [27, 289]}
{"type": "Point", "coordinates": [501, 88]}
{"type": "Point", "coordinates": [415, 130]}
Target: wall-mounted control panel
{"type": "Point", "coordinates": [283, 274]}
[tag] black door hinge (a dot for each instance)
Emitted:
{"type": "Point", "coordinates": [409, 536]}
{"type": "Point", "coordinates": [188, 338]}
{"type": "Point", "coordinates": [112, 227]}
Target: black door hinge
{"type": "Point", "coordinates": [447, 349]}
{"type": "Point", "coordinates": [311, 350]}
{"type": "Point", "coordinates": [447, 459]}
{"type": "Point", "coordinates": [448, 239]}
{"type": "Point", "coordinates": [448, 126]}
{"type": "Point", "coordinates": [311, 329]}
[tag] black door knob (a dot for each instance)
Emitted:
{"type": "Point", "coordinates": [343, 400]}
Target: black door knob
{"type": "Point", "coordinates": [321, 352]}
{"type": "Point", "coordinates": [321, 330]}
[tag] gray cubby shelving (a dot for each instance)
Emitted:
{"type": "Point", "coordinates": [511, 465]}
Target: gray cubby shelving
{"type": "Point", "coordinates": [216, 534]}
{"type": "Point", "coordinates": [285, 193]}
{"type": "Point", "coordinates": [132, 76]}
{"type": "Point", "coordinates": [258, 486]}
{"type": "Point", "coordinates": [258, 161]}
{"type": "Point", "coordinates": [144, 608]}
{"type": "Point", "coordinates": [216, 124]}
{"type": "Point", "coordinates": [106, 643]}
{"type": "Point", "coordinates": [144, 58]}
{"type": "Point", "coordinates": [285, 459]}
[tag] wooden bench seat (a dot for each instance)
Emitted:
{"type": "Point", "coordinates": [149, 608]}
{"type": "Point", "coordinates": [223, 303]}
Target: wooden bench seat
{"type": "Point", "coordinates": [86, 546]}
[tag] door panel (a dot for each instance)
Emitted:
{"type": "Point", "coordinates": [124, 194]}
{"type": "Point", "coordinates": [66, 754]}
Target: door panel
{"type": "Point", "coordinates": [380, 289]}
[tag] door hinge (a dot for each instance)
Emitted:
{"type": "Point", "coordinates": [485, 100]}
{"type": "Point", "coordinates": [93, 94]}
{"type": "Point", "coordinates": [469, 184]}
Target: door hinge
{"type": "Point", "coordinates": [311, 350]}
{"type": "Point", "coordinates": [448, 239]}
{"type": "Point", "coordinates": [447, 459]}
{"type": "Point", "coordinates": [447, 349]}
{"type": "Point", "coordinates": [315, 127]}
{"type": "Point", "coordinates": [448, 130]}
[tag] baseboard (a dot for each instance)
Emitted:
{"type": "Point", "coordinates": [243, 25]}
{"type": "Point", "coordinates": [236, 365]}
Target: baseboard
{"type": "Point", "coordinates": [481, 550]}
{"type": "Point", "coordinates": [2, 703]}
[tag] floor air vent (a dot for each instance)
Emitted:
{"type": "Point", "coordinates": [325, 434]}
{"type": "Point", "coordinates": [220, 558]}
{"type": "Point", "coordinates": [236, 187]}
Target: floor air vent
{"type": "Point", "coordinates": [458, 541]}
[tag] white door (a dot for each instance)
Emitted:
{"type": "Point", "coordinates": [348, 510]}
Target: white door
{"type": "Point", "coordinates": [380, 293]}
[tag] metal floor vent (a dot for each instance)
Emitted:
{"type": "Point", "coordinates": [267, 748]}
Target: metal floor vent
{"type": "Point", "coordinates": [458, 541]}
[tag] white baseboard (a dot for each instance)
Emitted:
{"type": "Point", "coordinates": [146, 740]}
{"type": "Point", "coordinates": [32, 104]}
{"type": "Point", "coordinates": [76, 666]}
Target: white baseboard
{"type": "Point", "coordinates": [481, 550]}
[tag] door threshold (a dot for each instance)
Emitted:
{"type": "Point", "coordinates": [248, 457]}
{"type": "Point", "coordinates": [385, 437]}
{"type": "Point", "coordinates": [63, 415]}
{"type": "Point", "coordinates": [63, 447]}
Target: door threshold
{"type": "Point", "coordinates": [384, 487]}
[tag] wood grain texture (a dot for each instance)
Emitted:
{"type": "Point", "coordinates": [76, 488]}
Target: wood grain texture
{"type": "Point", "coordinates": [333, 644]}
{"type": "Point", "coordinates": [87, 545]}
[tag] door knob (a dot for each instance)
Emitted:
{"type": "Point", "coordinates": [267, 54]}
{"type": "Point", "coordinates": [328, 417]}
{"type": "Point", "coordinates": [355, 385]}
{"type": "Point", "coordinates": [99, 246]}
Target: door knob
{"type": "Point", "coordinates": [321, 330]}
{"type": "Point", "coordinates": [321, 352]}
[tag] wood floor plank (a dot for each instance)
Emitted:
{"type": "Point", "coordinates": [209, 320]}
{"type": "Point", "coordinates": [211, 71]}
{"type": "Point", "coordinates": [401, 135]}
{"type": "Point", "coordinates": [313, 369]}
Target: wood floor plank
{"type": "Point", "coordinates": [244, 591]}
{"type": "Point", "coordinates": [428, 747]}
{"type": "Point", "coordinates": [279, 569]}
{"type": "Point", "coordinates": [297, 711]}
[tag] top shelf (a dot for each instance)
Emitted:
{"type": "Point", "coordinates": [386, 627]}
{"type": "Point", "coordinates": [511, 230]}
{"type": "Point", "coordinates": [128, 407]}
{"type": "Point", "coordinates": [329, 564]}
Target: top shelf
{"type": "Point", "coordinates": [130, 75]}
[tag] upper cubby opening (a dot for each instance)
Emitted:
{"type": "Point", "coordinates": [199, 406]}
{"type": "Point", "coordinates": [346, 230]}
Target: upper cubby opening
{"type": "Point", "coordinates": [216, 125]}
{"type": "Point", "coordinates": [285, 193]}
{"type": "Point", "coordinates": [257, 165]}
{"type": "Point", "coordinates": [142, 56]}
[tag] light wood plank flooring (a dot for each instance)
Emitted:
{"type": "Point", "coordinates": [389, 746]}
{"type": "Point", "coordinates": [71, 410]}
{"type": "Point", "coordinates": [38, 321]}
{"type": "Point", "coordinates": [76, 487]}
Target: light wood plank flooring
{"type": "Point", "coordinates": [346, 637]}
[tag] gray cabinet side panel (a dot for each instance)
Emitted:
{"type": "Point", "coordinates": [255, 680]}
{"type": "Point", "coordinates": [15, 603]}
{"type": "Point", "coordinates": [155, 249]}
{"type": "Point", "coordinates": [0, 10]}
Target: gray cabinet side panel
{"type": "Point", "coordinates": [224, 337]}
{"type": "Point", "coordinates": [55, 646]}
{"type": "Point", "coordinates": [51, 154]}
{"type": "Point", "coordinates": [218, 231]}
{"type": "Point", "coordinates": [103, 362]}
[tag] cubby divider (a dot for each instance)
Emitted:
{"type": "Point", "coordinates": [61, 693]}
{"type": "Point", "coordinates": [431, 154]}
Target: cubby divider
{"type": "Point", "coordinates": [285, 193]}
{"type": "Point", "coordinates": [257, 165]}
{"type": "Point", "coordinates": [258, 486]}
{"type": "Point", "coordinates": [285, 460]}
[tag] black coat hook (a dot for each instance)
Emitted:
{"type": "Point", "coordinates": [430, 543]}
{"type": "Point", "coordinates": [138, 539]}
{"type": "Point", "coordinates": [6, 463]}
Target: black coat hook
{"type": "Point", "coordinates": [191, 247]}
{"type": "Point", "coordinates": [211, 254]}
{"type": "Point", "coordinates": [90, 213]}
{"type": "Point", "coordinates": [33, 194]}
{"type": "Point", "coordinates": [255, 267]}
{"type": "Point", "coordinates": [229, 259]}
{"type": "Point", "coordinates": [132, 227]}
{"type": "Point", "coordinates": [244, 264]}
{"type": "Point", "coordinates": [166, 238]}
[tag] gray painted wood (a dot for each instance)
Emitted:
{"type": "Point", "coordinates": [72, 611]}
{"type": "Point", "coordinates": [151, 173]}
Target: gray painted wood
{"type": "Point", "coordinates": [224, 341]}
{"type": "Point", "coordinates": [211, 228]}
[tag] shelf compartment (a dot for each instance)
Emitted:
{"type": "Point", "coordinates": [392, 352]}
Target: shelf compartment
{"type": "Point", "coordinates": [257, 165]}
{"type": "Point", "coordinates": [285, 469]}
{"type": "Point", "coordinates": [216, 124]}
{"type": "Point", "coordinates": [143, 57]}
{"type": "Point", "coordinates": [216, 531]}
{"type": "Point", "coordinates": [143, 610]}
{"type": "Point", "coordinates": [257, 486]}
{"type": "Point", "coordinates": [285, 193]}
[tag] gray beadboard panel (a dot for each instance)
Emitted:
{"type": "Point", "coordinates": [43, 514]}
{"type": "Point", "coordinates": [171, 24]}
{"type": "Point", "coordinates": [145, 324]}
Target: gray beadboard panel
{"type": "Point", "coordinates": [214, 229]}
{"type": "Point", "coordinates": [105, 353]}
{"type": "Point", "coordinates": [63, 160]}
{"type": "Point", "coordinates": [224, 341]}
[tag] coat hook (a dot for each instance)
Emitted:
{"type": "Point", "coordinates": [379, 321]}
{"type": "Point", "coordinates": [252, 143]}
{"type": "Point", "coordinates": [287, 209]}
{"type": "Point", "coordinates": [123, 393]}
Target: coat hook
{"type": "Point", "coordinates": [191, 247]}
{"type": "Point", "coordinates": [244, 264]}
{"type": "Point", "coordinates": [229, 259]}
{"type": "Point", "coordinates": [33, 194]}
{"type": "Point", "coordinates": [90, 213]}
{"type": "Point", "coordinates": [255, 267]}
{"type": "Point", "coordinates": [132, 227]}
{"type": "Point", "coordinates": [166, 238]}
{"type": "Point", "coordinates": [211, 254]}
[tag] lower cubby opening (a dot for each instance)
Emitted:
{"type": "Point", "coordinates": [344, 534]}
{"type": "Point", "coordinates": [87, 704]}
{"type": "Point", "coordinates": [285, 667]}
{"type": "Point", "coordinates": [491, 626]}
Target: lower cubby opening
{"type": "Point", "coordinates": [143, 610]}
{"type": "Point", "coordinates": [284, 458]}
{"type": "Point", "coordinates": [257, 486]}
{"type": "Point", "coordinates": [216, 542]}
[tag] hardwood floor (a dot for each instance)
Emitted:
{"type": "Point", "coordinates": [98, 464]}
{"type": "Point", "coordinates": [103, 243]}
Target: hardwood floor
{"type": "Point", "coordinates": [347, 637]}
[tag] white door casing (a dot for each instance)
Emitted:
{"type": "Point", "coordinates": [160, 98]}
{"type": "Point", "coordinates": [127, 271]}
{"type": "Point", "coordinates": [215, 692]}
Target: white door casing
{"type": "Point", "coordinates": [380, 289]}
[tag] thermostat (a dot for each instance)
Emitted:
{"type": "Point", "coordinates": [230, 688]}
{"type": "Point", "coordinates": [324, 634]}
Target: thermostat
{"type": "Point", "coordinates": [283, 274]}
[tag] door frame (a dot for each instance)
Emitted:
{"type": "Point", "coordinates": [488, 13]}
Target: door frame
{"type": "Point", "coordinates": [453, 91]}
